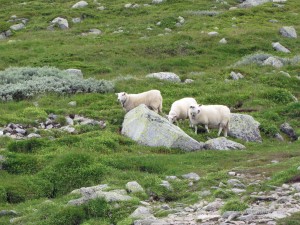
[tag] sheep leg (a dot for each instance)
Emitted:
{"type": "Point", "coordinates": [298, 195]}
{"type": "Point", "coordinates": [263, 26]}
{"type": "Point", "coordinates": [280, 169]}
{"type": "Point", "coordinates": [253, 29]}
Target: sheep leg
{"type": "Point", "coordinates": [196, 129]}
{"type": "Point", "coordinates": [206, 128]}
{"type": "Point", "coordinates": [220, 130]}
{"type": "Point", "coordinates": [226, 130]}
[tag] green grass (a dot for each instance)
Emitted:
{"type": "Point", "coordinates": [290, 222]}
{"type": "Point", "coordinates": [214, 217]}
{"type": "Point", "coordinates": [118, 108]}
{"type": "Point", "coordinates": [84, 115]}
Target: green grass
{"type": "Point", "coordinates": [37, 171]}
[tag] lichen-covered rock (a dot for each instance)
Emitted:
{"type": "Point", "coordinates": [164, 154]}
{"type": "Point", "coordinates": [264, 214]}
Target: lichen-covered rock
{"type": "Point", "coordinates": [191, 176]}
{"type": "Point", "coordinates": [62, 23]}
{"type": "Point", "coordinates": [148, 128]}
{"type": "Point", "coordinates": [244, 127]}
{"type": "Point", "coordinates": [288, 130]}
{"type": "Point", "coordinates": [252, 3]}
{"type": "Point", "coordinates": [134, 187]}
{"type": "Point", "coordinates": [273, 61]}
{"type": "Point", "coordinates": [279, 47]}
{"type": "Point", "coordinates": [142, 213]}
{"type": "Point", "coordinates": [80, 4]}
{"type": "Point", "coordinates": [288, 32]}
{"type": "Point", "coordinates": [165, 76]}
{"type": "Point", "coordinates": [222, 143]}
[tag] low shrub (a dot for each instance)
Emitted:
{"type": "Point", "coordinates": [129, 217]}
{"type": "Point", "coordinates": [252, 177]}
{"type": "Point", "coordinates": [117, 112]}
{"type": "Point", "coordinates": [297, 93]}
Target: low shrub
{"type": "Point", "coordinates": [224, 194]}
{"type": "Point", "coordinates": [21, 164]}
{"type": "Point", "coordinates": [234, 205]}
{"type": "Point", "coordinates": [71, 171]}
{"type": "Point", "coordinates": [3, 195]}
{"type": "Point", "coordinates": [34, 113]}
{"type": "Point", "coordinates": [27, 146]}
{"type": "Point", "coordinates": [24, 82]}
{"type": "Point", "coordinates": [278, 95]}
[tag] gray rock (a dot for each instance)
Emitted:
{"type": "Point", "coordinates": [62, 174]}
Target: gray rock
{"type": "Point", "coordinates": [175, 178]}
{"type": "Point", "coordinates": [165, 76]}
{"type": "Point", "coordinates": [296, 186]}
{"type": "Point", "coordinates": [288, 32]}
{"type": "Point", "coordinates": [289, 131]}
{"type": "Point", "coordinates": [213, 33]}
{"type": "Point", "coordinates": [272, 61]}
{"type": "Point", "coordinates": [69, 121]}
{"type": "Point", "coordinates": [113, 196]}
{"type": "Point", "coordinates": [278, 47]}
{"type": "Point", "coordinates": [191, 176]}
{"type": "Point", "coordinates": [236, 76]}
{"type": "Point", "coordinates": [8, 213]}
{"type": "Point", "coordinates": [285, 74]}
{"type": "Point", "coordinates": [76, 20]}
{"type": "Point", "coordinates": [279, 137]}
{"type": "Point", "coordinates": [223, 41]}
{"type": "Point", "coordinates": [148, 128]}
{"type": "Point", "coordinates": [20, 131]}
{"type": "Point", "coordinates": [222, 143]}
{"type": "Point", "coordinates": [80, 4]}
{"type": "Point", "coordinates": [148, 221]}
{"type": "Point", "coordinates": [72, 103]}
{"type": "Point", "coordinates": [213, 206]}
{"type": "Point", "coordinates": [33, 135]}
{"type": "Point", "coordinates": [134, 187]}
{"type": "Point", "coordinates": [157, 1]}
{"type": "Point", "coordinates": [60, 22]}
{"type": "Point", "coordinates": [244, 127]}
{"type": "Point", "coordinates": [205, 217]}
{"type": "Point", "coordinates": [238, 190]}
{"type": "Point", "coordinates": [75, 72]}
{"type": "Point", "coordinates": [68, 129]}
{"type": "Point", "coordinates": [230, 215]}
{"type": "Point", "coordinates": [236, 183]}
{"type": "Point", "coordinates": [166, 184]}
{"type": "Point", "coordinates": [17, 27]}
{"type": "Point", "coordinates": [142, 213]}
{"type": "Point", "coordinates": [188, 81]}
{"type": "Point", "coordinates": [252, 3]}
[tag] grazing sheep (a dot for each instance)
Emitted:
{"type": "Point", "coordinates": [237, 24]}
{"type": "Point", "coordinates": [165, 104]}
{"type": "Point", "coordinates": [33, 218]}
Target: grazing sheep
{"type": "Point", "coordinates": [211, 116]}
{"type": "Point", "coordinates": [179, 109]}
{"type": "Point", "coordinates": [152, 99]}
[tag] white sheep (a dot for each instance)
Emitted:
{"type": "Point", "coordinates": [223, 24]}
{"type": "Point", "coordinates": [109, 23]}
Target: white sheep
{"type": "Point", "coordinates": [179, 109]}
{"type": "Point", "coordinates": [211, 116]}
{"type": "Point", "coordinates": [152, 99]}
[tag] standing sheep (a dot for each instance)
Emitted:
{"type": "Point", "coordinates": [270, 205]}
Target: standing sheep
{"type": "Point", "coordinates": [211, 116]}
{"type": "Point", "coordinates": [179, 109]}
{"type": "Point", "coordinates": [152, 99]}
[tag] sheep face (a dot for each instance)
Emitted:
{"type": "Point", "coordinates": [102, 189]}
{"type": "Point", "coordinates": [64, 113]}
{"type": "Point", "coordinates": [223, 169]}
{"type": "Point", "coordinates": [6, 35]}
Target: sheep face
{"type": "Point", "coordinates": [194, 110]}
{"type": "Point", "coordinates": [122, 97]}
{"type": "Point", "coordinates": [172, 119]}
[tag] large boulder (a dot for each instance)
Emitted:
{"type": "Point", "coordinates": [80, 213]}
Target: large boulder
{"type": "Point", "coordinates": [244, 127]}
{"type": "Point", "coordinates": [150, 129]}
{"type": "Point", "coordinates": [222, 143]}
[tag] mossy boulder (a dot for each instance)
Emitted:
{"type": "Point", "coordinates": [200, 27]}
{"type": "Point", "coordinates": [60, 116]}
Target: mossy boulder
{"type": "Point", "coordinates": [150, 129]}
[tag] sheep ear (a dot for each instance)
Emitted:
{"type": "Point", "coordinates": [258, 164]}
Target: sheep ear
{"type": "Point", "coordinates": [199, 105]}
{"type": "Point", "coordinates": [124, 93]}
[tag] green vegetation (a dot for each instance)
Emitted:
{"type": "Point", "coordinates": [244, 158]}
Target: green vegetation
{"type": "Point", "coordinates": [39, 174]}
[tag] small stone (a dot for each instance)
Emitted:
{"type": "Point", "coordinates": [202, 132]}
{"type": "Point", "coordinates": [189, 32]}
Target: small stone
{"type": "Point", "coordinates": [223, 41]}
{"type": "Point", "coordinates": [134, 187]}
{"type": "Point", "coordinates": [213, 33]}
{"type": "Point", "coordinates": [188, 81]}
{"type": "Point", "coordinates": [278, 47]}
{"type": "Point", "coordinates": [69, 121]}
{"type": "Point", "coordinates": [272, 61]}
{"type": "Point", "coordinates": [191, 176]}
{"type": "Point", "coordinates": [231, 173]}
{"type": "Point", "coordinates": [274, 161]}
{"type": "Point", "coordinates": [80, 4]}
{"type": "Point", "coordinates": [72, 103]}
{"type": "Point", "coordinates": [279, 137]}
{"type": "Point", "coordinates": [76, 20]}
{"type": "Point", "coordinates": [288, 32]}
{"type": "Point", "coordinates": [166, 184]}
{"type": "Point", "coordinates": [33, 135]}
{"type": "Point", "coordinates": [17, 27]}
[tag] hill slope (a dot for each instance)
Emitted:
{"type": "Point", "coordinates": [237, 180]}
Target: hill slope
{"type": "Point", "coordinates": [133, 41]}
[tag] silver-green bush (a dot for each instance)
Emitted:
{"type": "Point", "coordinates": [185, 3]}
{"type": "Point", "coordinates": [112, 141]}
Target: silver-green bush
{"type": "Point", "coordinates": [25, 82]}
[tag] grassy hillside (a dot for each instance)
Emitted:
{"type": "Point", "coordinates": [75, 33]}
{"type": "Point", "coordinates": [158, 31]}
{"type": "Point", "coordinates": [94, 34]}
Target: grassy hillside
{"type": "Point", "coordinates": [51, 167]}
